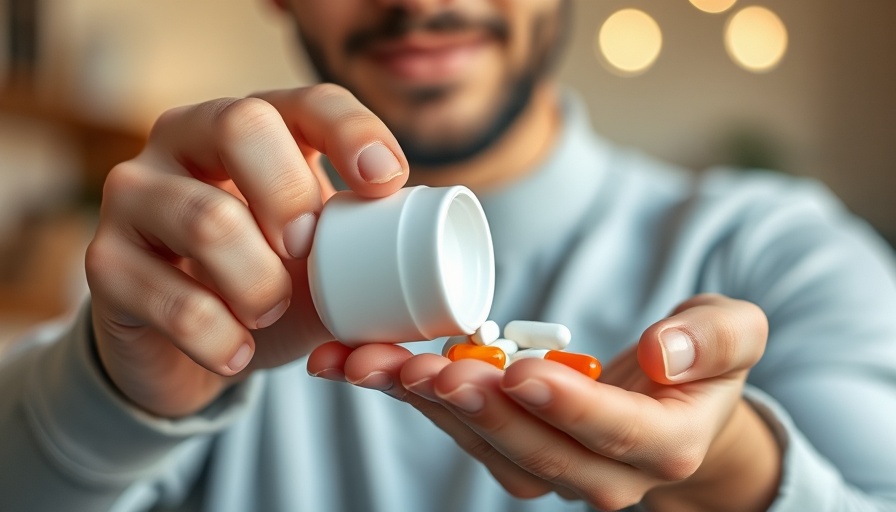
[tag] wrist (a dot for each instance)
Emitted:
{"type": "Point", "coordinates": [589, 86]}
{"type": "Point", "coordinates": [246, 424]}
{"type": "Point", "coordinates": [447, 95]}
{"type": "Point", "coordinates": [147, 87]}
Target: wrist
{"type": "Point", "coordinates": [741, 471]}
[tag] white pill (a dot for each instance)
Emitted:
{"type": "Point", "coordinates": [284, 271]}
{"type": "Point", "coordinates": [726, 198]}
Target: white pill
{"type": "Point", "coordinates": [528, 334]}
{"type": "Point", "coordinates": [452, 341]}
{"type": "Point", "coordinates": [486, 333]}
{"type": "Point", "coordinates": [529, 353]}
{"type": "Point", "coordinates": [508, 346]}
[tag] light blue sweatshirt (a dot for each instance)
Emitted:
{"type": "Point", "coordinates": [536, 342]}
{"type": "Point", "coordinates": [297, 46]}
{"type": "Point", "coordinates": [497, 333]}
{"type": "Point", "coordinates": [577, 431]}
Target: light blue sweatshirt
{"type": "Point", "coordinates": [603, 240]}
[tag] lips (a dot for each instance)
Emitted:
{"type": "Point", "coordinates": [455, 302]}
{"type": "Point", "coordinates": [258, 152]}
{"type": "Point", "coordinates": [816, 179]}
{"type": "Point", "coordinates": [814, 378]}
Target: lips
{"type": "Point", "coordinates": [429, 58]}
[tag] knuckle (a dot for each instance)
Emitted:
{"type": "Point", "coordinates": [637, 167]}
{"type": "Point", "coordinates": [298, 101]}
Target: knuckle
{"type": "Point", "coordinates": [342, 106]}
{"type": "Point", "coordinates": [98, 259]}
{"type": "Point", "coordinates": [547, 463]}
{"type": "Point", "coordinates": [619, 444]}
{"type": "Point", "coordinates": [680, 465]}
{"type": "Point", "coordinates": [613, 498]}
{"type": "Point", "coordinates": [523, 489]}
{"type": "Point", "coordinates": [243, 116]}
{"type": "Point", "coordinates": [357, 118]}
{"type": "Point", "coordinates": [481, 450]}
{"type": "Point", "coordinates": [121, 182]}
{"type": "Point", "coordinates": [299, 187]}
{"type": "Point", "coordinates": [326, 92]}
{"type": "Point", "coordinates": [213, 220]}
{"type": "Point", "coordinates": [166, 121]}
{"type": "Point", "coordinates": [265, 291]}
{"type": "Point", "coordinates": [189, 316]}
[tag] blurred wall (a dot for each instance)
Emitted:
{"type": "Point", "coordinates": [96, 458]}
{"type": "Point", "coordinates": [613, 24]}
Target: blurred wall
{"type": "Point", "coordinates": [827, 111]}
{"type": "Point", "coordinates": [126, 61]}
{"type": "Point", "coordinates": [108, 68]}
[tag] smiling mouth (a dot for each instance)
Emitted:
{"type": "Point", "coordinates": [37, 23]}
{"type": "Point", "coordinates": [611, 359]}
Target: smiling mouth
{"type": "Point", "coordinates": [423, 58]}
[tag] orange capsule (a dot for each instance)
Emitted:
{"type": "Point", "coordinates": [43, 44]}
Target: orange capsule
{"type": "Point", "coordinates": [491, 355]}
{"type": "Point", "coordinates": [582, 363]}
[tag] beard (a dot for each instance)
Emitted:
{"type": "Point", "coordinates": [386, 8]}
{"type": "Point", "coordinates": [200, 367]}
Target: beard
{"type": "Point", "coordinates": [548, 37]}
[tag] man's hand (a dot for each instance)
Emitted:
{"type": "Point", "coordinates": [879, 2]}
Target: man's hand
{"type": "Point", "coordinates": [198, 265]}
{"type": "Point", "coordinates": [663, 426]}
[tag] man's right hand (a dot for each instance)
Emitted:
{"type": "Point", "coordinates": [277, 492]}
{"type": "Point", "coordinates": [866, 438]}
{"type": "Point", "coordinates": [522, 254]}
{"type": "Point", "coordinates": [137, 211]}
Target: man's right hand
{"type": "Point", "coordinates": [197, 270]}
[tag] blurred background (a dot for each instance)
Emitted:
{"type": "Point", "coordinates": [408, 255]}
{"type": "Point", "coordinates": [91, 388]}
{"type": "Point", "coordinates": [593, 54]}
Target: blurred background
{"type": "Point", "coordinates": [807, 89]}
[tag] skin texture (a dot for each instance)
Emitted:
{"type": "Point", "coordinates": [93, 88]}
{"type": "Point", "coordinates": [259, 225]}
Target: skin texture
{"type": "Point", "coordinates": [198, 276]}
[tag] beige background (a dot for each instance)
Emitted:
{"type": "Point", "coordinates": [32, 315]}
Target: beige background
{"type": "Point", "coordinates": [828, 110]}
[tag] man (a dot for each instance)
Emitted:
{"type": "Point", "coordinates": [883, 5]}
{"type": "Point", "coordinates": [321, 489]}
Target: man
{"type": "Point", "coordinates": [181, 385]}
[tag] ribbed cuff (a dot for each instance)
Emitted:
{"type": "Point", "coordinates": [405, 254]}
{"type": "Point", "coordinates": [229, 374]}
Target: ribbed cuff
{"type": "Point", "coordinates": [92, 432]}
{"type": "Point", "coordinates": [808, 480]}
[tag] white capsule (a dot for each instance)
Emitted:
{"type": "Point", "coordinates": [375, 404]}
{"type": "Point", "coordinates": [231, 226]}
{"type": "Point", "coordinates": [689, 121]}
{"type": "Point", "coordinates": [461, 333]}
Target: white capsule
{"type": "Point", "coordinates": [508, 346]}
{"type": "Point", "coordinates": [529, 353]}
{"type": "Point", "coordinates": [452, 341]}
{"type": "Point", "coordinates": [486, 333]}
{"type": "Point", "coordinates": [528, 334]}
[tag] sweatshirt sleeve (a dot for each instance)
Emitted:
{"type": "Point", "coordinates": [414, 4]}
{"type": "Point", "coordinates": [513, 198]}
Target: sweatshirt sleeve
{"type": "Point", "coordinates": [828, 377]}
{"type": "Point", "coordinates": [809, 480]}
{"type": "Point", "coordinates": [70, 442]}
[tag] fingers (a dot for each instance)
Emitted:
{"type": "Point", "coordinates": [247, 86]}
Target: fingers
{"type": "Point", "coordinates": [203, 223]}
{"type": "Point", "coordinates": [477, 394]}
{"type": "Point", "coordinates": [707, 336]}
{"type": "Point", "coordinates": [147, 290]}
{"type": "Point", "coordinates": [328, 361]}
{"type": "Point", "coordinates": [419, 376]}
{"type": "Point", "coordinates": [258, 144]}
{"type": "Point", "coordinates": [331, 120]}
{"type": "Point", "coordinates": [392, 369]}
{"type": "Point", "coordinates": [631, 427]}
{"type": "Point", "coordinates": [248, 142]}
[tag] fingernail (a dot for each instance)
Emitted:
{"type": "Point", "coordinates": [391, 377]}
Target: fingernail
{"type": "Point", "coordinates": [678, 352]}
{"type": "Point", "coordinates": [329, 374]}
{"type": "Point", "coordinates": [272, 316]}
{"type": "Point", "coordinates": [466, 398]}
{"type": "Point", "coordinates": [424, 388]}
{"type": "Point", "coordinates": [531, 392]}
{"type": "Point", "coordinates": [241, 358]}
{"type": "Point", "coordinates": [298, 234]}
{"type": "Point", "coordinates": [377, 164]}
{"type": "Point", "coordinates": [375, 380]}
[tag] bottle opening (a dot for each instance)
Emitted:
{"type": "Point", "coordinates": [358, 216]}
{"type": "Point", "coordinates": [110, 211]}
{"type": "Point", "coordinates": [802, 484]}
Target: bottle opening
{"type": "Point", "coordinates": [467, 261]}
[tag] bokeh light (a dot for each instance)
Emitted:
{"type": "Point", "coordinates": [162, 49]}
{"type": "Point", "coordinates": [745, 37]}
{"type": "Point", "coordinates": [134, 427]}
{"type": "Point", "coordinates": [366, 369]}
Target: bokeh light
{"type": "Point", "coordinates": [756, 39]}
{"type": "Point", "coordinates": [629, 42]}
{"type": "Point", "coordinates": [713, 6]}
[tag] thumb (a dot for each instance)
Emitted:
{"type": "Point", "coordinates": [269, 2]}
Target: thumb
{"type": "Point", "coordinates": [706, 336]}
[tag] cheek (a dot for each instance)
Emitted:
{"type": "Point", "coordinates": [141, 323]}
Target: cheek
{"type": "Point", "coordinates": [533, 25]}
{"type": "Point", "coordinates": [324, 24]}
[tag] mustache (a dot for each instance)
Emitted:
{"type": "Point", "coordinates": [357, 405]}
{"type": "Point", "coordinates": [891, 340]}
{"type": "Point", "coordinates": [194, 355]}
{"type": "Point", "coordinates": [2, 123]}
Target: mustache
{"type": "Point", "coordinates": [399, 23]}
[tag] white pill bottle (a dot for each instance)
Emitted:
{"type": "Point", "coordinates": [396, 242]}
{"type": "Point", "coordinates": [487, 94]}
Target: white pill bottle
{"type": "Point", "coordinates": [416, 265]}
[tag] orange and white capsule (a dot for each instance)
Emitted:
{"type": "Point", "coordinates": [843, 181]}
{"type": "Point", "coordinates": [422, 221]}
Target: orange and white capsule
{"type": "Point", "coordinates": [508, 346]}
{"type": "Point", "coordinates": [486, 333]}
{"type": "Point", "coordinates": [486, 353]}
{"type": "Point", "coordinates": [582, 363]}
{"type": "Point", "coordinates": [529, 334]}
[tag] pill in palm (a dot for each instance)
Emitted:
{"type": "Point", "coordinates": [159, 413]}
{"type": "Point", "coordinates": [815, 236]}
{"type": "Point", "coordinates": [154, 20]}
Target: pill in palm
{"type": "Point", "coordinates": [452, 341]}
{"type": "Point", "coordinates": [486, 353]}
{"type": "Point", "coordinates": [544, 335]}
{"type": "Point", "coordinates": [508, 346]}
{"type": "Point", "coordinates": [486, 333]}
{"type": "Point", "coordinates": [582, 363]}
